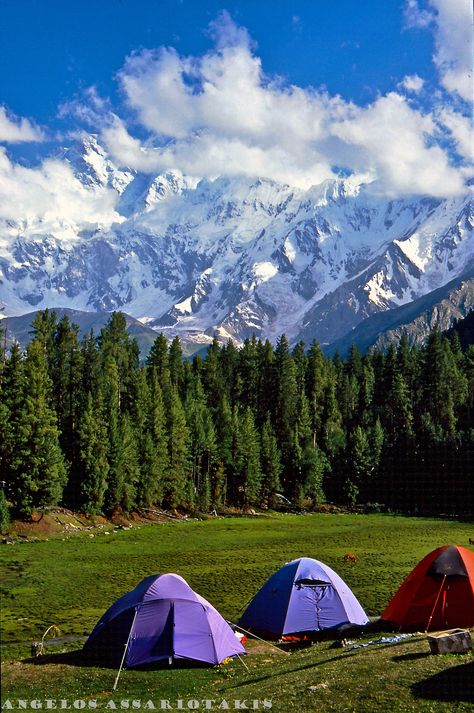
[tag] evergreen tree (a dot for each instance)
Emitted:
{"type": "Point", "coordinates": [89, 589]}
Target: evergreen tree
{"type": "Point", "coordinates": [154, 466]}
{"type": "Point", "coordinates": [175, 360]}
{"type": "Point", "coordinates": [270, 464]}
{"type": "Point", "coordinates": [66, 376]}
{"type": "Point", "coordinates": [37, 468]}
{"type": "Point", "coordinates": [248, 374]}
{"type": "Point", "coordinates": [158, 361]}
{"type": "Point", "coordinates": [92, 456]}
{"type": "Point", "coordinates": [316, 382]}
{"type": "Point", "coordinates": [249, 474]}
{"type": "Point", "coordinates": [115, 343]}
{"type": "Point", "coordinates": [90, 361]}
{"type": "Point", "coordinates": [360, 464]}
{"type": "Point", "coordinates": [178, 486]}
{"type": "Point", "coordinates": [284, 406]}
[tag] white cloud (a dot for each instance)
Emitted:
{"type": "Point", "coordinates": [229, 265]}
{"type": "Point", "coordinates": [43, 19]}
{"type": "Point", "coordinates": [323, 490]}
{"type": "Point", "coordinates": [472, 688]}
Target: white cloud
{"type": "Point", "coordinates": [452, 24]}
{"type": "Point", "coordinates": [454, 46]}
{"type": "Point", "coordinates": [392, 141]}
{"type": "Point", "coordinates": [220, 113]}
{"type": "Point", "coordinates": [412, 83]}
{"type": "Point", "coordinates": [460, 128]}
{"type": "Point", "coordinates": [15, 130]}
{"type": "Point", "coordinates": [416, 17]}
{"type": "Point", "coordinates": [50, 194]}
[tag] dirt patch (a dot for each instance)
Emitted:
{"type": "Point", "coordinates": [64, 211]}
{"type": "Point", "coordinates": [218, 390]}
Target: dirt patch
{"type": "Point", "coordinates": [60, 521]}
{"type": "Point", "coordinates": [50, 523]}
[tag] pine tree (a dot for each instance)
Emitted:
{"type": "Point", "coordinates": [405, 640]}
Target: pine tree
{"type": "Point", "coordinates": [175, 360]}
{"type": "Point", "coordinates": [314, 466]}
{"type": "Point", "coordinates": [43, 330]}
{"type": "Point", "coordinates": [178, 487]}
{"type": "Point", "coordinates": [92, 456]}
{"type": "Point", "coordinates": [115, 343]}
{"type": "Point", "coordinates": [211, 375]}
{"type": "Point", "coordinates": [284, 405]}
{"type": "Point", "coordinates": [270, 464]}
{"type": "Point", "coordinates": [66, 376]}
{"type": "Point", "coordinates": [316, 382]}
{"type": "Point", "coordinates": [444, 388]}
{"type": "Point", "coordinates": [110, 397]}
{"type": "Point", "coordinates": [266, 381]}
{"type": "Point", "coordinates": [249, 474]}
{"type": "Point", "coordinates": [37, 467]}
{"type": "Point", "coordinates": [248, 374]}
{"type": "Point", "coordinates": [203, 440]}
{"type": "Point", "coordinates": [159, 434]}
{"type": "Point", "coordinates": [158, 361]}
{"type": "Point", "coordinates": [90, 361]}
{"type": "Point", "coordinates": [153, 447]}
{"type": "Point", "coordinates": [360, 464]}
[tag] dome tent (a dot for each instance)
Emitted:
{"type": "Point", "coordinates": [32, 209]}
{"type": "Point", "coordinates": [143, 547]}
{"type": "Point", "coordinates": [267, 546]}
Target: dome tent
{"type": "Point", "coordinates": [302, 596]}
{"type": "Point", "coordinates": [162, 618]}
{"type": "Point", "coordinates": [437, 594]}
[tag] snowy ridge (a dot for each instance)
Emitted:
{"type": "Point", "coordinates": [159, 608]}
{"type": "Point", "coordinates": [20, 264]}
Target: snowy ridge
{"type": "Point", "coordinates": [233, 256]}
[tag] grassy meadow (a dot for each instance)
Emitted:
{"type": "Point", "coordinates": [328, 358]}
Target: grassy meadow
{"type": "Point", "coordinates": [70, 581]}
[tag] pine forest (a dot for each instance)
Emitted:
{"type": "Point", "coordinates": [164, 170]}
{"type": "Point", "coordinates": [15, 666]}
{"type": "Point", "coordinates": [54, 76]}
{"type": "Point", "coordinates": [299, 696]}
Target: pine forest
{"type": "Point", "coordinates": [86, 424]}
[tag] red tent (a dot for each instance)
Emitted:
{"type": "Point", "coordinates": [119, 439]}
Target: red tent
{"type": "Point", "coordinates": [437, 594]}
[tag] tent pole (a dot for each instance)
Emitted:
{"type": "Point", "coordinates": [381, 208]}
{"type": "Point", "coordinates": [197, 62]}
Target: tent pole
{"type": "Point", "coordinates": [125, 650]}
{"type": "Point", "coordinates": [257, 637]}
{"type": "Point", "coordinates": [434, 607]}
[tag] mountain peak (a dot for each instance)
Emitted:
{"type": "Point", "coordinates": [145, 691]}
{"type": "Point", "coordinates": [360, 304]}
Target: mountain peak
{"type": "Point", "coordinates": [233, 255]}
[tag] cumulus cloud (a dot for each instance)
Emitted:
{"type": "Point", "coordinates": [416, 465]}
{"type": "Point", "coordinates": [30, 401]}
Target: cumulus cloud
{"type": "Point", "coordinates": [452, 23]}
{"type": "Point", "coordinates": [392, 140]}
{"type": "Point", "coordinates": [416, 17]}
{"type": "Point", "coordinates": [412, 83]}
{"type": "Point", "coordinates": [51, 194]}
{"type": "Point", "coordinates": [220, 113]}
{"type": "Point", "coordinates": [454, 45]}
{"type": "Point", "coordinates": [16, 130]}
{"type": "Point", "coordinates": [460, 129]}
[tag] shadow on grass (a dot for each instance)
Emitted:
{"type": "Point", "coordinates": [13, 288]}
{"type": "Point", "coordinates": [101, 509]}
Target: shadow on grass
{"type": "Point", "coordinates": [349, 654]}
{"type": "Point", "coordinates": [412, 657]}
{"type": "Point", "coordinates": [453, 684]}
{"type": "Point", "coordinates": [79, 658]}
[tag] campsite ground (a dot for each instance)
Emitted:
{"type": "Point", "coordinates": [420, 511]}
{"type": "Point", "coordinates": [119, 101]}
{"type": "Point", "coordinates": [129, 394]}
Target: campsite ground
{"type": "Point", "coordinates": [70, 579]}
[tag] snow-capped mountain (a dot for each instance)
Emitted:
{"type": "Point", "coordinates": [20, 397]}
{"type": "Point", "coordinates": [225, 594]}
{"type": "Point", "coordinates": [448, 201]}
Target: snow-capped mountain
{"type": "Point", "coordinates": [234, 256]}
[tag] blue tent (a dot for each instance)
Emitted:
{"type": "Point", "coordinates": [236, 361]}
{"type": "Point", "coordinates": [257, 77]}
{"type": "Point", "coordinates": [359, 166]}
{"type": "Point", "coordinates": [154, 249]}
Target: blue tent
{"type": "Point", "coordinates": [303, 596]}
{"type": "Point", "coordinates": [162, 618]}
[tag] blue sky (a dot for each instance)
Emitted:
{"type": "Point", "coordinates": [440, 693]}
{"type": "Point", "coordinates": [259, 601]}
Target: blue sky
{"type": "Point", "coordinates": [53, 49]}
{"type": "Point", "coordinates": [298, 91]}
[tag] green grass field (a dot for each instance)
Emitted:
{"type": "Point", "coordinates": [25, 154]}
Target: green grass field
{"type": "Point", "coordinates": [70, 582]}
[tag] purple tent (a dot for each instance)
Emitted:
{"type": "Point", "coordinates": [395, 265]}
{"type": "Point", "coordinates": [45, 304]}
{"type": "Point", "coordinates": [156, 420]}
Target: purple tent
{"type": "Point", "coordinates": [302, 596]}
{"type": "Point", "coordinates": [162, 618]}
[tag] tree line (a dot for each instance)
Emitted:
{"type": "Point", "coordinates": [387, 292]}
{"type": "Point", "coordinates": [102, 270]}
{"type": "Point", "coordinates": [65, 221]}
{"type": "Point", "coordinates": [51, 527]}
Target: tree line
{"type": "Point", "coordinates": [85, 424]}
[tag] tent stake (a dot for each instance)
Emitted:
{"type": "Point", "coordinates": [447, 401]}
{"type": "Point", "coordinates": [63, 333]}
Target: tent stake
{"type": "Point", "coordinates": [125, 650]}
{"type": "Point", "coordinates": [243, 662]}
{"type": "Point", "coordinates": [434, 607]}
{"type": "Point", "coordinates": [257, 637]}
